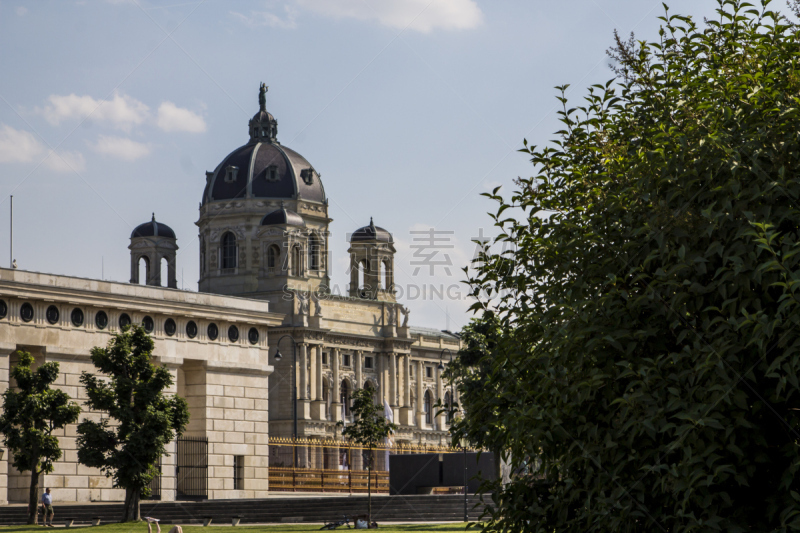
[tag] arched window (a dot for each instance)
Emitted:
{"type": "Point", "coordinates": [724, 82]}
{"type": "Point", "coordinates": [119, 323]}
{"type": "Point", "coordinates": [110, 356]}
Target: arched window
{"type": "Point", "coordinates": [344, 398]}
{"type": "Point", "coordinates": [362, 274]}
{"type": "Point", "coordinates": [448, 407]}
{"type": "Point", "coordinates": [144, 269]}
{"type": "Point", "coordinates": [228, 250]}
{"type": "Point", "coordinates": [273, 257]}
{"type": "Point", "coordinates": [202, 255]}
{"type": "Point", "coordinates": [387, 275]}
{"type": "Point", "coordinates": [164, 272]}
{"type": "Point", "coordinates": [313, 252]}
{"type": "Point", "coordinates": [428, 406]}
{"type": "Point", "coordinates": [296, 257]}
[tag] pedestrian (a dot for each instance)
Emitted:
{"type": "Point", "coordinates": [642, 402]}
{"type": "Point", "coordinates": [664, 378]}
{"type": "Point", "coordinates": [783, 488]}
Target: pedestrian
{"type": "Point", "coordinates": [47, 507]}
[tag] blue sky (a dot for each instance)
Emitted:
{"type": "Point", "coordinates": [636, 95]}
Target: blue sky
{"type": "Point", "coordinates": [409, 109]}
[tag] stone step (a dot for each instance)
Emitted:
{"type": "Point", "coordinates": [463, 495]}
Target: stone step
{"type": "Point", "coordinates": [416, 508]}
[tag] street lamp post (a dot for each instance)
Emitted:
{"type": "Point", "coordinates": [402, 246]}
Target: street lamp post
{"type": "Point", "coordinates": [441, 369]}
{"type": "Point", "coordinates": [278, 357]}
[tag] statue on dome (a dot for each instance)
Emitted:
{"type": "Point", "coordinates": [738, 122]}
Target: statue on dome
{"type": "Point", "coordinates": [262, 96]}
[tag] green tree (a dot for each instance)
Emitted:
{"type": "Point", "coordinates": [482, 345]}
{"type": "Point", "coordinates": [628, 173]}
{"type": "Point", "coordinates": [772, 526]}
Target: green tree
{"type": "Point", "coordinates": [145, 420]}
{"type": "Point", "coordinates": [368, 429]}
{"type": "Point", "coordinates": [482, 407]}
{"type": "Point", "coordinates": [649, 292]}
{"type": "Point", "coordinates": [31, 413]}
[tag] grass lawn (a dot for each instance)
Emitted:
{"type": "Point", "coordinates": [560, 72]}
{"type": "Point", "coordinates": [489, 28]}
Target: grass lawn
{"type": "Point", "coordinates": [142, 528]}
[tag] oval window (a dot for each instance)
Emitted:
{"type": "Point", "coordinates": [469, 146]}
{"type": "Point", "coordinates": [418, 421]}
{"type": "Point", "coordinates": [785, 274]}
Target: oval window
{"type": "Point", "coordinates": [148, 324]}
{"type": "Point", "coordinates": [169, 327]}
{"type": "Point", "coordinates": [213, 331]}
{"type": "Point", "coordinates": [101, 320]}
{"type": "Point", "coordinates": [52, 314]}
{"type": "Point", "coordinates": [3, 309]}
{"type": "Point", "coordinates": [77, 317]}
{"type": "Point", "coordinates": [124, 321]}
{"type": "Point", "coordinates": [233, 333]}
{"type": "Point", "coordinates": [26, 312]}
{"type": "Point", "coordinates": [191, 329]}
{"type": "Point", "coordinates": [252, 336]}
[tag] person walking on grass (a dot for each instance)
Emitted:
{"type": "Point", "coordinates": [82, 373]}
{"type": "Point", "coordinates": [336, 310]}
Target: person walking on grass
{"type": "Point", "coordinates": [47, 507]}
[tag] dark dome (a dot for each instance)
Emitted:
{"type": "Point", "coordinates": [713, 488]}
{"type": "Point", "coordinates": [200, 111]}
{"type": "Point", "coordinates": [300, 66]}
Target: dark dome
{"type": "Point", "coordinates": [263, 168]}
{"type": "Point", "coordinates": [282, 216]}
{"type": "Point", "coordinates": [371, 233]}
{"type": "Point", "coordinates": [153, 229]}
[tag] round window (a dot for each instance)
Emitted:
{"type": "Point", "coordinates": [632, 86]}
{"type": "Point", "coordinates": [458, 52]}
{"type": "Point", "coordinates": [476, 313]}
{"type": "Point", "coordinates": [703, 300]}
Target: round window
{"type": "Point", "coordinates": [101, 320]}
{"type": "Point", "coordinates": [124, 321]}
{"type": "Point", "coordinates": [191, 329]}
{"type": "Point", "coordinates": [170, 327]}
{"type": "Point", "coordinates": [52, 314]}
{"type": "Point", "coordinates": [213, 331]}
{"type": "Point", "coordinates": [3, 309]}
{"type": "Point", "coordinates": [233, 334]}
{"type": "Point", "coordinates": [77, 317]}
{"type": "Point", "coordinates": [252, 336]}
{"type": "Point", "coordinates": [147, 324]}
{"type": "Point", "coordinates": [26, 312]}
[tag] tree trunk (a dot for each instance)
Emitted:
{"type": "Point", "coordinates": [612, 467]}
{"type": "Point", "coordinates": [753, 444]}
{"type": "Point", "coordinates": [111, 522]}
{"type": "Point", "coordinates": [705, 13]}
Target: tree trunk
{"type": "Point", "coordinates": [369, 493]}
{"type": "Point", "coordinates": [130, 511]}
{"type": "Point", "coordinates": [33, 496]}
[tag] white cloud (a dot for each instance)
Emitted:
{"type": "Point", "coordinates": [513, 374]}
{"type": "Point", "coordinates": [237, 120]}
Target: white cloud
{"type": "Point", "coordinates": [18, 146]}
{"type": "Point", "coordinates": [422, 15]}
{"type": "Point", "coordinates": [22, 10]}
{"type": "Point", "coordinates": [174, 118]}
{"type": "Point", "coordinates": [121, 111]}
{"type": "Point", "coordinates": [65, 161]}
{"type": "Point", "coordinates": [266, 18]}
{"type": "Point", "coordinates": [120, 147]}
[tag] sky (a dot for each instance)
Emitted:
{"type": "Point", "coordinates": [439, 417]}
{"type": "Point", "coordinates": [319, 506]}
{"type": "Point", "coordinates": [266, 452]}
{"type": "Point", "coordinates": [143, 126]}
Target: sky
{"type": "Point", "coordinates": [111, 110]}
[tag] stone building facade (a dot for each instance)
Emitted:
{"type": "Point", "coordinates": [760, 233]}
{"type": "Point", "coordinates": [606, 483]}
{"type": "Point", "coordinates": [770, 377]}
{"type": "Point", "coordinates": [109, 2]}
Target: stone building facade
{"type": "Point", "coordinates": [264, 232]}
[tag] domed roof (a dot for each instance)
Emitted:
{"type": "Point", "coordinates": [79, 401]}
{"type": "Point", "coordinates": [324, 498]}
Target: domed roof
{"type": "Point", "coordinates": [371, 233]}
{"type": "Point", "coordinates": [282, 216]}
{"type": "Point", "coordinates": [263, 168]}
{"type": "Point", "coordinates": [153, 229]}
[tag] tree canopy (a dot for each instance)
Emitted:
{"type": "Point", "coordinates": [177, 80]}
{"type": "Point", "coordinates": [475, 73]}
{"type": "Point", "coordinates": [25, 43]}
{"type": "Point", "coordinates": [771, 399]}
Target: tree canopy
{"type": "Point", "coordinates": [650, 354]}
{"type": "Point", "coordinates": [31, 412]}
{"type": "Point", "coordinates": [142, 420]}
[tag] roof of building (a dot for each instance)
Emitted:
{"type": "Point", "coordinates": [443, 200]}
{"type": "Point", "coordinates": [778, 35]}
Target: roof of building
{"type": "Point", "coordinates": [153, 229]}
{"type": "Point", "coordinates": [371, 233]}
{"type": "Point", "coordinates": [282, 216]}
{"type": "Point", "coordinates": [430, 332]}
{"type": "Point", "coordinates": [263, 168]}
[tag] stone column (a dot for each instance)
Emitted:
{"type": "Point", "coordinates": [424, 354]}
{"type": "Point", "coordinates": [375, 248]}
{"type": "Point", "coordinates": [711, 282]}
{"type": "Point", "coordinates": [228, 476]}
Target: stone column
{"type": "Point", "coordinates": [406, 417]}
{"type": "Point", "coordinates": [393, 384]}
{"type": "Point", "coordinates": [420, 400]}
{"type": "Point", "coordinates": [303, 405]}
{"type": "Point", "coordinates": [379, 370]}
{"type": "Point", "coordinates": [336, 405]}
{"type": "Point", "coordinates": [439, 396]}
{"type": "Point", "coordinates": [358, 364]}
{"type": "Point", "coordinates": [318, 405]}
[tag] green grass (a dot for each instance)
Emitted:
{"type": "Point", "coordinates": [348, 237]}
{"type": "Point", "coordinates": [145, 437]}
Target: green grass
{"type": "Point", "coordinates": [141, 527]}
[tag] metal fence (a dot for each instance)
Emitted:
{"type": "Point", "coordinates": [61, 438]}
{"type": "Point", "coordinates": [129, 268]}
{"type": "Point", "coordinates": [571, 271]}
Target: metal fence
{"type": "Point", "coordinates": [333, 466]}
{"type": "Point", "coordinates": [191, 468]}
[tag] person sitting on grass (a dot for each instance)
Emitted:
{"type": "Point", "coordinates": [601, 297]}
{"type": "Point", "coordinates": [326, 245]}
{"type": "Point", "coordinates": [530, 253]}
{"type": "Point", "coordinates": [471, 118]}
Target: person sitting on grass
{"type": "Point", "coordinates": [175, 529]}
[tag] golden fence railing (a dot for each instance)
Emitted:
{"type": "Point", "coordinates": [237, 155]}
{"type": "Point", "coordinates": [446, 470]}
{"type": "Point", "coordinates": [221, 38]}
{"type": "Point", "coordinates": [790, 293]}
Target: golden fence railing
{"type": "Point", "coordinates": [334, 466]}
